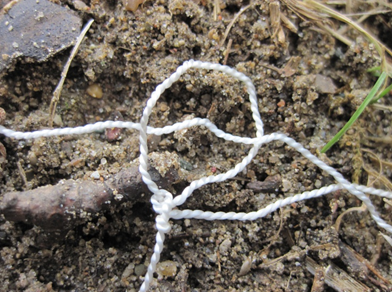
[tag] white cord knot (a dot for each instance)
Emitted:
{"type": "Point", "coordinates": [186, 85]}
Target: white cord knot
{"type": "Point", "coordinates": [162, 201]}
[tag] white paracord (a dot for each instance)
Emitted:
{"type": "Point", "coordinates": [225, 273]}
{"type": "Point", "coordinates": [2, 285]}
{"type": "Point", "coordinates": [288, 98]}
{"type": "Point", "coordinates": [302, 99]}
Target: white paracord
{"type": "Point", "coordinates": [163, 201]}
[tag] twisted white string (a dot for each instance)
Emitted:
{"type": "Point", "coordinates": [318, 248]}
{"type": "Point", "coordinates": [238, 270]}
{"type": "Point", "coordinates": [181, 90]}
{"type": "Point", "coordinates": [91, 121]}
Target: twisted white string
{"type": "Point", "coordinates": [163, 201]}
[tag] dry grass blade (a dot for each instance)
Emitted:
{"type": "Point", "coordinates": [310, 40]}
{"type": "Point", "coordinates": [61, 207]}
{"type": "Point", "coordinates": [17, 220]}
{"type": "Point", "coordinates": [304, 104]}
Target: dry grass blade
{"type": "Point", "coordinates": [303, 11]}
{"type": "Point", "coordinates": [337, 35]}
{"type": "Point", "coordinates": [286, 22]}
{"type": "Point", "coordinates": [275, 17]}
{"type": "Point", "coordinates": [217, 10]}
{"type": "Point", "coordinates": [381, 48]}
{"type": "Point", "coordinates": [336, 277]}
{"type": "Point", "coordinates": [377, 175]}
{"type": "Point", "coordinates": [57, 91]}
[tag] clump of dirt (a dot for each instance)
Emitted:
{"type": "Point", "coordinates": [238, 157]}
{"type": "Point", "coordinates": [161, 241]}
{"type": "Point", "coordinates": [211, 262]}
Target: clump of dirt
{"type": "Point", "coordinates": [308, 85]}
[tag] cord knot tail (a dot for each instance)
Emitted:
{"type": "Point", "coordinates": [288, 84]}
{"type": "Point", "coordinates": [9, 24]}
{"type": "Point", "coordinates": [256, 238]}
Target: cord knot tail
{"type": "Point", "coordinates": [162, 223]}
{"type": "Point", "coordinates": [160, 238]}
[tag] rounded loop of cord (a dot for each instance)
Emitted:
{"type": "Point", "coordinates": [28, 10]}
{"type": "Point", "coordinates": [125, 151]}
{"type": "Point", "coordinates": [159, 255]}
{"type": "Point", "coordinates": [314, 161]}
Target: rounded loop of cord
{"type": "Point", "coordinates": [163, 203]}
{"type": "Point", "coordinates": [162, 219]}
{"type": "Point", "coordinates": [162, 200]}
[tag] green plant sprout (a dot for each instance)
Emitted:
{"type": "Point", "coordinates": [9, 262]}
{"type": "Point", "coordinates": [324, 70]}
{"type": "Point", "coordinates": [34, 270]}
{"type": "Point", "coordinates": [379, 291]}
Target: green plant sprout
{"type": "Point", "coordinates": [377, 72]}
{"type": "Point", "coordinates": [385, 67]}
{"type": "Point", "coordinates": [370, 98]}
{"type": "Point", "coordinates": [167, 206]}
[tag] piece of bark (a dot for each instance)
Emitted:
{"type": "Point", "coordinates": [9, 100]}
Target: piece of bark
{"type": "Point", "coordinates": [71, 203]}
{"type": "Point", "coordinates": [318, 280]}
{"type": "Point", "coordinates": [358, 265]}
{"type": "Point", "coordinates": [270, 184]}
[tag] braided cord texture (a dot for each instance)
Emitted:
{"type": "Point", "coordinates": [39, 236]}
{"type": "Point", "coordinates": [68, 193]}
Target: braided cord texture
{"type": "Point", "coordinates": [162, 200]}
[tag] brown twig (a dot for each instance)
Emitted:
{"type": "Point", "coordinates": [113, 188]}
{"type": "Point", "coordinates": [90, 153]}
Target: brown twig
{"type": "Point", "coordinates": [71, 203]}
{"type": "Point", "coordinates": [227, 51]}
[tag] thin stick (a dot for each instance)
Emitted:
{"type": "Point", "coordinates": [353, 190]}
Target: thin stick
{"type": "Point", "coordinates": [163, 201]}
{"type": "Point", "coordinates": [23, 174]}
{"type": "Point", "coordinates": [57, 91]}
{"type": "Point", "coordinates": [227, 51]}
{"type": "Point", "coordinates": [242, 10]}
{"type": "Point", "coordinates": [41, 206]}
{"type": "Point", "coordinates": [337, 35]}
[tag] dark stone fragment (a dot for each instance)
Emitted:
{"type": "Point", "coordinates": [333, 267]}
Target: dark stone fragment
{"type": "Point", "coordinates": [35, 29]}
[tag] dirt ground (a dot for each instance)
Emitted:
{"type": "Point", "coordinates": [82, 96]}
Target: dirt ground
{"type": "Point", "coordinates": [308, 85]}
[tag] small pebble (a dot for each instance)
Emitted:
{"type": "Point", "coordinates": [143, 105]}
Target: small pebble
{"type": "Point", "coordinates": [132, 5]}
{"type": "Point", "coordinates": [94, 90]}
{"type": "Point", "coordinates": [166, 269]}
{"type": "Point", "coordinates": [128, 270]}
{"type": "Point", "coordinates": [58, 121]}
{"type": "Point", "coordinates": [114, 134]}
{"type": "Point", "coordinates": [246, 267]}
{"type": "Point", "coordinates": [225, 246]}
{"type": "Point", "coordinates": [80, 5]}
{"type": "Point", "coordinates": [95, 175]}
{"type": "Point", "coordinates": [140, 270]}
